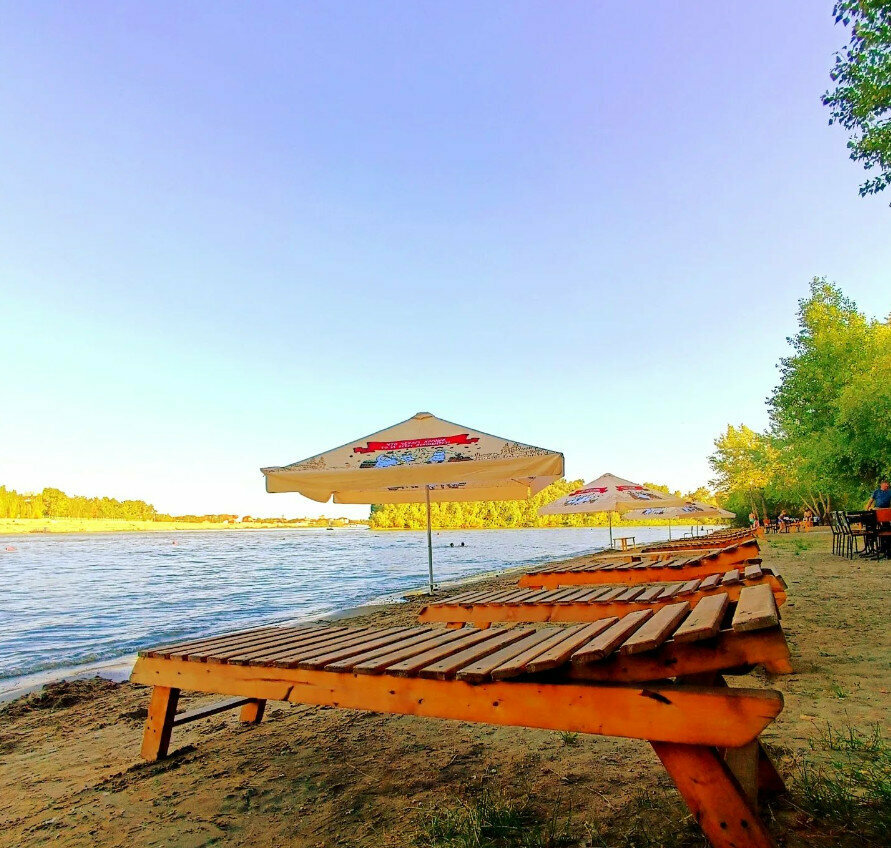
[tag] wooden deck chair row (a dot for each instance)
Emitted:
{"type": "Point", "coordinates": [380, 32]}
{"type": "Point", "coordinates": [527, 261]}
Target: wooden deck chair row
{"type": "Point", "coordinates": [655, 676]}
{"type": "Point", "coordinates": [638, 570]}
{"type": "Point", "coordinates": [718, 558]}
{"type": "Point", "coordinates": [573, 604]}
{"type": "Point", "coordinates": [710, 541]}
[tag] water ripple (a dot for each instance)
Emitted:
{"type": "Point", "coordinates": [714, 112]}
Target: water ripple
{"type": "Point", "coordinates": [71, 599]}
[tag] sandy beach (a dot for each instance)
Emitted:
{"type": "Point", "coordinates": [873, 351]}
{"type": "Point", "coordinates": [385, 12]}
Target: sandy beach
{"type": "Point", "coordinates": [70, 772]}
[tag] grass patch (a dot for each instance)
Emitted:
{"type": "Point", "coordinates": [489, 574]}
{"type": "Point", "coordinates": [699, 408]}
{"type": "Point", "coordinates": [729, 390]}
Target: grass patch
{"type": "Point", "coordinates": [491, 821]}
{"type": "Point", "coordinates": [568, 738]}
{"type": "Point", "coordinates": [655, 818]}
{"type": "Point", "coordinates": [845, 786]}
{"type": "Point", "coordinates": [838, 691]}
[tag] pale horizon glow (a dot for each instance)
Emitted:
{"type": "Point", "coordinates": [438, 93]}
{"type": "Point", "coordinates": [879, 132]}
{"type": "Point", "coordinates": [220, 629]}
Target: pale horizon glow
{"type": "Point", "coordinates": [236, 236]}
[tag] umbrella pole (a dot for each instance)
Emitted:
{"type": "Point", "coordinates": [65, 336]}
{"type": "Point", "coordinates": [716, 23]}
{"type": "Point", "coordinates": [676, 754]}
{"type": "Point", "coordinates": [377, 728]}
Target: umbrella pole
{"type": "Point", "coordinates": [610, 513]}
{"type": "Point", "coordinates": [669, 529]}
{"type": "Point", "coordinates": [429, 540]}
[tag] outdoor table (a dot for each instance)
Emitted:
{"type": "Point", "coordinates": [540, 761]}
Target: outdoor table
{"type": "Point", "coordinates": [623, 541]}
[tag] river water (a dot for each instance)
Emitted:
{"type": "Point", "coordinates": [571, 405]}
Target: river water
{"type": "Point", "coordinates": [68, 600]}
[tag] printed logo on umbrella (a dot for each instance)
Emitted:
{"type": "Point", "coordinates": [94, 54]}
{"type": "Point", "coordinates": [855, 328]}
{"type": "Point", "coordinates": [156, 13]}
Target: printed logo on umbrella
{"type": "Point", "coordinates": [432, 450]}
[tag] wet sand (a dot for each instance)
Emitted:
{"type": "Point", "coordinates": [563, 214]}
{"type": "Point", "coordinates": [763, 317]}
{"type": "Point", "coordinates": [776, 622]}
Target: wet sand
{"type": "Point", "coordinates": [307, 776]}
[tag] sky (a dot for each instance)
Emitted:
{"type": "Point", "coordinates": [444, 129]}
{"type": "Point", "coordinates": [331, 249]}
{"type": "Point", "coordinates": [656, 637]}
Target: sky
{"type": "Point", "coordinates": [235, 235]}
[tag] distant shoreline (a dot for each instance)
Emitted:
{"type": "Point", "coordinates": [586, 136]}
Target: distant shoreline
{"type": "Point", "coordinates": [41, 526]}
{"type": "Point", "coordinates": [59, 526]}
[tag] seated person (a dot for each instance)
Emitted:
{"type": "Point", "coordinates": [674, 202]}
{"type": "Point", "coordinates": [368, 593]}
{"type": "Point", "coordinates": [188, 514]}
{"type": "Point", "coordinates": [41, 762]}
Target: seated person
{"type": "Point", "coordinates": [881, 497]}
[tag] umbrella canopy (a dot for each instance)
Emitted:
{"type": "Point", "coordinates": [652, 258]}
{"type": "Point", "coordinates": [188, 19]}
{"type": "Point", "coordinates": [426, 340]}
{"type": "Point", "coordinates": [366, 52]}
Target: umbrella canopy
{"type": "Point", "coordinates": [692, 509]}
{"type": "Point", "coordinates": [397, 465]}
{"type": "Point", "coordinates": [610, 494]}
{"type": "Point", "coordinates": [421, 460]}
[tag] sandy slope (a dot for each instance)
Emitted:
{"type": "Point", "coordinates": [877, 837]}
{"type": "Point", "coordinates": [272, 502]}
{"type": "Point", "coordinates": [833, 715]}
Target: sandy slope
{"type": "Point", "coordinates": [70, 774]}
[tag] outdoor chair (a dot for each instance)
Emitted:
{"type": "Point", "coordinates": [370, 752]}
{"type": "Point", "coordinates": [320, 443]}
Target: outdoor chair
{"type": "Point", "coordinates": [852, 534]}
{"type": "Point", "coordinates": [654, 676]}
{"type": "Point", "coordinates": [592, 603]}
{"type": "Point", "coordinates": [837, 534]}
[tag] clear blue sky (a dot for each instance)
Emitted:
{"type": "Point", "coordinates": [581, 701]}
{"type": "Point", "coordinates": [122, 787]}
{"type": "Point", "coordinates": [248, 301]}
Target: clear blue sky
{"type": "Point", "coordinates": [234, 235]}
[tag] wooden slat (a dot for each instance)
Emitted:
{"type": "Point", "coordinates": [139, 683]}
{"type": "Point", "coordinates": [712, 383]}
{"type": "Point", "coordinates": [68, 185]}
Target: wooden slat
{"type": "Point", "coordinates": [730, 577]}
{"type": "Point", "coordinates": [218, 653]}
{"type": "Point", "coordinates": [710, 582]}
{"type": "Point", "coordinates": [519, 664]}
{"type": "Point", "coordinates": [165, 650]}
{"type": "Point", "coordinates": [612, 594]}
{"type": "Point", "coordinates": [705, 619]}
{"type": "Point", "coordinates": [631, 594]}
{"type": "Point", "coordinates": [538, 596]}
{"type": "Point", "coordinates": [341, 649]}
{"type": "Point", "coordinates": [649, 594]}
{"type": "Point", "coordinates": [669, 591]}
{"type": "Point", "coordinates": [379, 661]}
{"type": "Point", "coordinates": [756, 609]}
{"type": "Point", "coordinates": [689, 586]}
{"type": "Point", "coordinates": [574, 596]}
{"type": "Point", "coordinates": [559, 655]}
{"type": "Point", "coordinates": [513, 596]}
{"type": "Point", "coordinates": [242, 654]}
{"type": "Point", "coordinates": [366, 649]}
{"type": "Point", "coordinates": [482, 668]}
{"type": "Point", "coordinates": [656, 630]}
{"type": "Point", "coordinates": [605, 643]}
{"type": "Point", "coordinates": [410, 666]}
{"type": "Point", "coordinates": [444, 669]}
{"type": "Point", "coordinates": [288, 656]}
{"type": "Point", "coordinates": [595, 593]}
{"type": "Point", "coordinates": [562, 593]}
{"type": "Point", "coordinates": [227, 640]}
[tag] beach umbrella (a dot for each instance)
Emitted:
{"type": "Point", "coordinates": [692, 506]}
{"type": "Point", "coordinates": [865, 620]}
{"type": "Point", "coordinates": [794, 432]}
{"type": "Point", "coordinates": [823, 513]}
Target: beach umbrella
{"type": "Point", "coordinates": [608, 494]}
{"type": "Point", "coordinates": [422, 460]}
{"type": "Point", "coordinates": [691, 509]}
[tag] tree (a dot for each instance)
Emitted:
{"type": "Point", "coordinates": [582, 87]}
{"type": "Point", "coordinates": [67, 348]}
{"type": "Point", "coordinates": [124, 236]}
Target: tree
{"type": "Point", "coordinates": [861, 101]}
{"type": "Point", "coordinates": [744, 463]}
{"type": "Point", "coordinates": [827, 409]}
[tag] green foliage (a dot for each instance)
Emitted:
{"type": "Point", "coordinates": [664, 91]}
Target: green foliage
{"type": "Point", "coordinates": [471, 515]}
{"type": "Point", "coordinates": [846, 785]}
{"type": "Point", "coordinates": [861, 101]}
{"type": "Point", "coordinates": [829, 441]}
{"type": "Point", "coordinates": [54, 503]}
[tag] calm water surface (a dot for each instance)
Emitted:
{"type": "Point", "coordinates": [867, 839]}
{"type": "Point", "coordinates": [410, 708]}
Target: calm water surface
{"type": "Point", "coordinates": [75, 599]}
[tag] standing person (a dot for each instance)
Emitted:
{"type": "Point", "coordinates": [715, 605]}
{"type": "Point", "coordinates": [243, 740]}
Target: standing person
{"type": "Point", "coordinates": [881, 497]}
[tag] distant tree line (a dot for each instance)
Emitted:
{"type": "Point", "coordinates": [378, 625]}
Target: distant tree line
{"type": "Point", "coordinates": [460, 515]}
{"type": "Point", "coordinates": [54, 503]}
{"type": "Point", "coordinates": [829, 440]}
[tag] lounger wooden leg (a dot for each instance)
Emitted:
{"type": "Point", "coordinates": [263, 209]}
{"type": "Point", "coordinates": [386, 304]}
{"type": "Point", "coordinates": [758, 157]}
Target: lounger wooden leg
{"type": "Point", "coordinates": [743, 762]}
{"type": "Point", "coordinates": [713, 795]}
{"type": "Point", "coordinates": [159, 723]}
{"type": "Point", "coordinates": [252, 711]}
{"type": "Point", "coordinates": [769, 780]}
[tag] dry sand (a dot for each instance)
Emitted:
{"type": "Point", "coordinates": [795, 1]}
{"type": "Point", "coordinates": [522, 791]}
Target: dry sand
{"type": "Point", "coordinates": [70, 772]}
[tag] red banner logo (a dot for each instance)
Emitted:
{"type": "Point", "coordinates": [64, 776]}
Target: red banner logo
{"type": "Point", "coordinates": [435, 442]}
{"type": "Point", "coordinates": [599, 489]}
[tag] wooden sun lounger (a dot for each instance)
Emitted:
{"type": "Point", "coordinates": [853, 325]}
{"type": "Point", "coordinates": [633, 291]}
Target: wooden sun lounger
{"type": "Point", "coordinates": [561, 605]}
{"type": "Point", "coordinates": [713, 540]}
{"type": "Point", "coordinates": [639, 569]}
{"type": "Point", "coordinates": [609, 677]}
